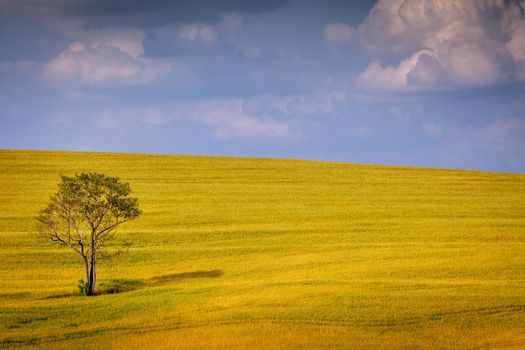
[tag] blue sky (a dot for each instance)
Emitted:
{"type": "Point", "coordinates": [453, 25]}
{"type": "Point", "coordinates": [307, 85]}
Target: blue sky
{"type": "Point", "coordinates": [437, 83]}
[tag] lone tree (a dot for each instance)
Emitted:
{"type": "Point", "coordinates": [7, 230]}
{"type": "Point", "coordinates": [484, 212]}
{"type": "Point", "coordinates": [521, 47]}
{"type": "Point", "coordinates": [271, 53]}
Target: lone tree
{"type": "Point", "coordinates": [84, 215]}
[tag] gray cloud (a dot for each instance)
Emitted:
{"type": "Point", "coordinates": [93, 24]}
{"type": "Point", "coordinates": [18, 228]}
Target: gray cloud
{"type": "Point", "coordinates": [139, 13]}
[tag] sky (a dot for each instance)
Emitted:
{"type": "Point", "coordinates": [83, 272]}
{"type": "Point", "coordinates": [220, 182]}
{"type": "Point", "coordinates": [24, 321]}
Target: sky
{"type": "Point", "coordinates": [433, 83]}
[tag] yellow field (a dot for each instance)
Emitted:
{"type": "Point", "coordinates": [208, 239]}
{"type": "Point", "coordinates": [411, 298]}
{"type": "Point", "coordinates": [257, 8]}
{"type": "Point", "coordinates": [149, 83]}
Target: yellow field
{"type": "Point", "coordinates": [271, 254]}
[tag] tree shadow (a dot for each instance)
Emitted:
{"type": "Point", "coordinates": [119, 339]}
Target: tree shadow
{"type": "Point", "coordinates": [117, 286]}
{"type": "Point", "coordinates": [173, 277]}
{"type": "Point", "coordinates": [59, 296]}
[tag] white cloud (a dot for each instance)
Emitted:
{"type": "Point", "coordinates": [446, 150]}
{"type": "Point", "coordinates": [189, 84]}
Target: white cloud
{"type": "Point", "coordinates": [444, 43]}
{"type": "Point", "coordinates": [338, 34]}
{"type": "Point", "coordinates": [106, 57]}
{"type": "Point", "coordinates": [389, 77]}
{"type": "Point", "coordinates": [227, 117]}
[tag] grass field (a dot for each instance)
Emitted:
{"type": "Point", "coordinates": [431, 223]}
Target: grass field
{"type": "Point", "coordinates": [271, 254]}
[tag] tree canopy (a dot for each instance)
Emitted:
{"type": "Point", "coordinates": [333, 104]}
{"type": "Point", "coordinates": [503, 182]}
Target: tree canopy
{"type": "Point", "coordinates": [84, 215]}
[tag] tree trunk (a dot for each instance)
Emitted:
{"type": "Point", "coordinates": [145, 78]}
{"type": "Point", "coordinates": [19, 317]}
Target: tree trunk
{"type": "Point", "coordinates": [86, 272]}
{"type": "Point", "coordinates": [90, 285]}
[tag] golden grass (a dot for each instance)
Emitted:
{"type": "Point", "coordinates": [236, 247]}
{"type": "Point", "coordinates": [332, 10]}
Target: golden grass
{"type": "Point", "coordinates": [271, 254]}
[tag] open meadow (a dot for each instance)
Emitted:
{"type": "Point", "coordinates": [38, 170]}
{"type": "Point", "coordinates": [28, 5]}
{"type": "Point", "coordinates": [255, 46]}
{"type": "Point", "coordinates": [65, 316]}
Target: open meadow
{"type": "Point", "coordinates": [245, 253]}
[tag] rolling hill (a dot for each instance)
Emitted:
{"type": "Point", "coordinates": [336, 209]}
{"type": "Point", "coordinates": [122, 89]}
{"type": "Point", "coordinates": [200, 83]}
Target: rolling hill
{"type": "Point", "coordinates": [271, 254]}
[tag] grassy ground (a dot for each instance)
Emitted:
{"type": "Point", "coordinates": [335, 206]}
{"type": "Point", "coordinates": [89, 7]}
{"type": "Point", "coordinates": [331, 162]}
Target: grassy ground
{"type": "Point", "coordinates": [271, 254]}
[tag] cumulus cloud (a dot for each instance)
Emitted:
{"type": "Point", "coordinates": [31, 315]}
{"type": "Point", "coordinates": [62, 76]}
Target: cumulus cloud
{"type": "Point", "coordinates": [516, 46]}
{"type": "Point", "coordinates": [227, 117]}
{"type": "Point", "coordinates": [443, 43]}
{"type": "Point", "coordinates": [106, 57]}
{"type": "Point", "coordinates": [381, 77]}
{"type": "Point", "coordinates": [338, 34]}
